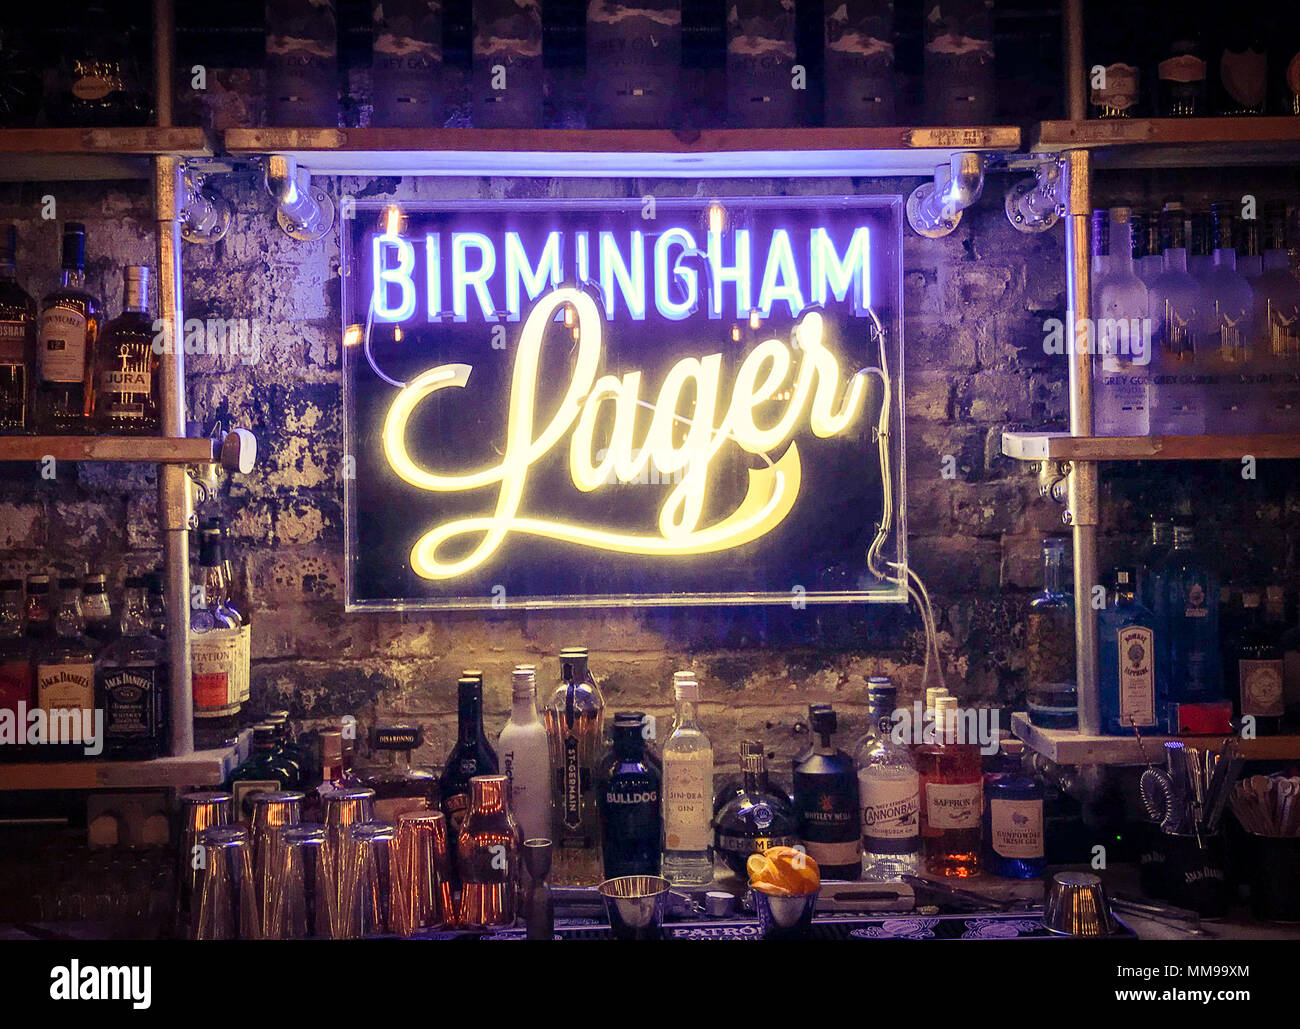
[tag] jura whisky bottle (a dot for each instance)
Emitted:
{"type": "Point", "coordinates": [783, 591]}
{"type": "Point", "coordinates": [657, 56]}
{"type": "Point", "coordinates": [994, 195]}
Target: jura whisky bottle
{"type": "Point", "coordinates": [127, 371]}
{"type": "Point", "coordinates": [575, 721]}
{"type": "Point", "coordinates": [17, 342]}
{"type": "Point", "coordinates": [69, 327]}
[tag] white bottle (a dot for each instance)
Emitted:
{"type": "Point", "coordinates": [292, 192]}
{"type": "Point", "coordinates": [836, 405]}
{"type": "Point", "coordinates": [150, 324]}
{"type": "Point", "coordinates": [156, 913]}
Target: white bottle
{"type": "Point", "coordinates": [526, 758]}
{"type": "Point", "coordinates": [687, 792]}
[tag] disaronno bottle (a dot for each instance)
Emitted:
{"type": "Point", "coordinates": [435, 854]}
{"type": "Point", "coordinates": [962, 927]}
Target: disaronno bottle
{"type": "Point", "coordinates": [575, 721]}
{"type": "Point", "coordinates": [406, 67]}
{"type": "Point", "coordinates": [65, 670]}
{"type": "Point", "coordinates": [634, 56]}
{"type": "Point", "coordinates": [761, 89]}
{"type": "Point", "coordinates": [506, 74]}
{"type": "Point", "coordinates": [687, 791]}
{"type": "Point", "coordinates": [859, 73]}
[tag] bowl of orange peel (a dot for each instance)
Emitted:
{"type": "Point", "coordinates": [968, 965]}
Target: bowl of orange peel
{"type": "Point", "coordinates": [784, 883]}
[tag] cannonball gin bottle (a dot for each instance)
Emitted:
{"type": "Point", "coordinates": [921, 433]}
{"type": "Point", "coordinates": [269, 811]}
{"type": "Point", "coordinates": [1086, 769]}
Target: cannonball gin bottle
{"type": "Point", "coordinates": [687, 791]}
{"type": "Point", "coordinates": [889, 792]}
{"type": "Point", "coordinates": [575, 721]}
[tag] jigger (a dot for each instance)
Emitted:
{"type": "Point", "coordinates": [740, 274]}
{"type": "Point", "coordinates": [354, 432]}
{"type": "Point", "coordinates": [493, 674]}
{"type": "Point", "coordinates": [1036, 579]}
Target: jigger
{"type": "Point", "coordinates": [539, 905]}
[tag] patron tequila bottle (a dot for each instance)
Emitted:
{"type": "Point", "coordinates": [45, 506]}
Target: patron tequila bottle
{"type": "Point", "coordinates": [826, 799]}
{"type": "Point", "coordinates": [526, 758]}
{"type": "Point", "coordinates": [472, 755]}
{"type": "Point", "coordinates": [127, 371]}
{"type": "Point", "coordinates": [1131, 675]}
{"type": "Point", "coordinates": [69, 327]}
{"type": "Point", "coordinates": [132, 682]}
{"type": "Point", "coordinates": [688, 789]}
{"type": "Point", "coordinates": [889, 791]}
{"type": "Point", "coordinates": [951, 797]}
{"type": "Point", "coordinates": [17, 341]}
{"type": "Point", "coordinates": [575, 721]}
{"type": "Point", "coordinates": [629, 802]}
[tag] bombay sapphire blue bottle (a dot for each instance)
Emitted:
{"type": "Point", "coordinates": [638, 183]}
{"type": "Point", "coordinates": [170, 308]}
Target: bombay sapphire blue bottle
{"type": "Point", "coordinates": [1187, 612]}
{"type": "Point", "coordinates": [1133, 691]}
{"type": "Point", "coordinates": [1013, 817]}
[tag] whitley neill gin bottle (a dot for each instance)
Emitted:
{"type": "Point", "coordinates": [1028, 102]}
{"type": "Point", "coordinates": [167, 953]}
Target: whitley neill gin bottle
{"type": "Point", "coordinates": [629, 802]}
{"type": "Point", "coordinates": [688, 791]}
{"type": "Point", "coordinates": [17, 341]}
{"type": "Point", "coordinates": [526, 757]}
{"type": "Point", "coordinates": [472, 755]}
{"type": "Point", "coordinates": [575, 723]}
{"type": "Point", "coordinates": [859, 73]}
{"type": "Point", "coordinates": [69, 327]}
{"type": "Point", "coordinates": [952, 793]}
{"type": "Point", "coordinates": [406, 67]}
{"type": "Point", "coordinates": [826, 798]}
{"type": "Point", "coordinates": [127, 371]}
{"type": "Point", "coordinates": [889, 792]}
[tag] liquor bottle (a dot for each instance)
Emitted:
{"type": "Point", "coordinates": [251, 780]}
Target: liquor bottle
{"type": "Point", "coordinates": [805, 752]}
{"type": "Point", "coordinates": [1013, 817]}
{"type": "Point", "coordinates": [634, 55]}
{"type": "Point", "coordinates": [127, 372]}
{"type": "Point", "coordinates": [17, 341]}
{"type": "Point", "coordinates": [506, 68]}
{"type": "Point", "coordinates": [1241, 87]}
{"type": "Point", "coordinates": [826, 799]}
{"type": "Point", "coordinates": [263, 772]}
{"type": "Point", "coordinates": [65, 668]}
{"type": "Point", "coordinates": [1114, 84]}
{"type": "Point", "coordinates": [132, 682]}
{"type": "Point", "coordinates": [859, 69]}
{"type": "Point", "coordinates": [526, 757]}
{"type": "Point", "coordinates": [1153, 259]}
{"type": "Point", "coordinates": [1250, 255]}
{"type": "Point", "coordinates": [1123, 401]}
{"type": "Point", "coordinates": [233, 600]}
{"type": "Point", "coordinates": [288, 750]}
{"type": "Point", "coordinates": [406, 67]}
{"type": "Point", "coordinates": [960, 85]}
{"type": "Point", "coordinates": [1100, 237]}
{"type": "Point", "coordinates": [471, 756]}
{"type": "Point", "coordinates": [214, 652]}
{"type": "Point", "coordinates": [1159, 540]}
{"type": "Point", "coordinates": [734, 787]}
{"type": "Point", "coordinates": [687, 791]}
{"type": "Point", "coordinates": [1173, 305]}
{"type": "Point", "coordinates": [488, 857]}
{"type": "Point", "coordinates": [951, 797]}
{"type": "Point", "coordinates": [1278, 310]}
{"type": "Point", "coordinates": [69, 327]}
{"type": "Point", "coordinates": [20, 77]}
{"type": "Point", "coordinates": [95, 609]}
{"type": "Point", "coordinates": [754, 820]}
{"type": "Point", "coordinates": [1289, 641]}
{"type": "Point", "coordinates": [1050, 658]}
{"type": "Point", "coordinates": [889, 792]}
{"type": "Point", "coordinates": [760, 65]}
{"type": "Point", "coordinates": [39, 614]}
{"type": "Point", "coordinates": [575, 723]}
{"type": "Point", "coordinates": [1228, 310]}
{"type": "Point", "coordinates": [1187, 613]}
{"type": "Point", "coordinates": [1288, 75]}
{"type": "Point", "coordinates": [398, 787]}
{"type": "Point", "coordinates": [15, 653]}
{"type": "Point", "coordinates": [630, 822]}
{"type": "Point", "coordinates": [302, 63]}
{"type": "Point", "coordinates": [1180, 77]}
{"type": "Point", "coordinates": [1259, 662]}
{"type": "Point", "coordinates": [157, 605]}
{"type": "Point", "coordinates": [98, 81]}
{"type": "Point", "coordinates": [1132, 685]}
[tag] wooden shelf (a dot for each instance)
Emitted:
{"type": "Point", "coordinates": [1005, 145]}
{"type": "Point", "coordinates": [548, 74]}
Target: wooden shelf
{"type": "Point", "coordinates": [651, 153]}
{"type": "Point", "coordinates": [1061, 446]}
{"type": "Point", "coordinates": [79, 154]}
{"type": "Point", "coordinates": [1174, 142]}
{"type": "Point", "coordinates": [1068, 747]}
{"type": "Point", "coordinates": [202, 768]}
{"type": "Point", "coordinates": [138, 449]}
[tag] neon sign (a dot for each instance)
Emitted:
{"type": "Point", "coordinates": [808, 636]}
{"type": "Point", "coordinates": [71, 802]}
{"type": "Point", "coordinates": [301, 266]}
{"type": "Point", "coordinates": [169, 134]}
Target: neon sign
{"type": "Point", "coordinates": [583, 407]}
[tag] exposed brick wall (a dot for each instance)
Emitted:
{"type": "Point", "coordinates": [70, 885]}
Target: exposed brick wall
{"type": "Point", "coordinates": [975, 303]}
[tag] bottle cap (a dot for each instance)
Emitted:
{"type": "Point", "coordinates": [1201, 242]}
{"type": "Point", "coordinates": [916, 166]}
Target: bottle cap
{"type": "Point", "coordinates": [822, 718]}
{"type": "Point", "coordinates": [523, 681]}
{"type": "Point", "coordinates": [572, 653]}
{"type": "Point", "coordinates": [74, 246]}
{"type": "Point", "coordinates": [686, 690]}
{"type": "Point", "coordinates": [331, 745]}
{"type": "Point", "coordinates": [1124, 576]}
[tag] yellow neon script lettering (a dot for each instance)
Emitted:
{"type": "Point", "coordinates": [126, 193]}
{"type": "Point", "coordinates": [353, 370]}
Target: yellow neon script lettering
{"type": "Point", "coordinates": [771, 491]}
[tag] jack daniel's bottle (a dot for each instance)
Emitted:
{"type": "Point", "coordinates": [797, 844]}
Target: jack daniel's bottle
{"type": "Point", "coordinates": [575, 719]}
{"type": "Point", "coordinates": [472, 755]}
{"type": "Point", "coordinates": [132, 682]}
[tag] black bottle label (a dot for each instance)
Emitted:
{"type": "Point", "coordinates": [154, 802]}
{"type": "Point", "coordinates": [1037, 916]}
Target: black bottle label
{"type": "Point", "coordinates": [829, 818]}
{"type": "Point", "coordinates": [572, 784]}
{"type": "Point", "coordinates": [130, 698]}
{"type": "Point", "coordinates": [631, 824]}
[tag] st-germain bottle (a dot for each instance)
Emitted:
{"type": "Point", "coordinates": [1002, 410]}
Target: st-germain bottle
{"type": "Point", "coordinates": [65, 665]}
{"type": "Point", "coordinates": [952, 793]}
{"type": "Point", "coordinates": [69, 328]}
{"type": "Point", "coordinates": [1132, 683]}
{"type": "Point", "coordinates": [756, 818]}
{"type": "Point", "coordinates": [629, 802]}
{"type": "Point", "coordinates": [472, 755]}
{"type": "Point", "coordinates": [17, 341]}
{"type": "Point", "coordinates": [889, 792]}
{"type": "Point", "coordinates": [1187, 612]}
{"type": "Point", "coordinates": [826, 799]}
{"type": "Point", "coordinates": [1259, 665]}
{"type": "Point", "coordinates": [132, 682]}
{"type": "Point", "coordinates": [127, 372]}
{"type": "Point", "coordinates": [687, 792]}
{"type": "Point", "coordinates": [575, 724]}
{"type": "Point", "coordinates": [526, 758]}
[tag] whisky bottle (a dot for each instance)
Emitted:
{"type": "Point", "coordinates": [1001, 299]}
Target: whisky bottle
{"type": "Point", "coordinates": [263, 772]}
{"type": "Point", "coordinates": [234, 601]}
{"type": "Point", "coordinates": [470, 756]}
{"type": "Point", "coordinates": [17, 341]}
{"type": "Point", "coordinates": [126, 369]}
{"type": "Point", "coordinates": [157, 605]}
{"type": "Point", "coordinates": [65, 674]}
{"type": "Point", "coordinates": [1187, 611]}
{"type": "Point", "coordinates": [688, 789]}
{"type": "Point", "coordinates": [1259, 665]}
{"type": "Point", "coordinates": [399, 787]}
{"type": "Point", "coordinates": [629, 802]}
{"type": "Point", "coordinates": [69, 327]}
{"type": "Point", "coordinates": [214, 651]}
{"type": "Point", "coordinates": [755, 819]}
{"type": "Point", "coordinates": [1181, 89]}
{"type": "Point", "coordinates": [826, 799]}
{"type": "Point", "coordinates": [889, 791]}
{"type": "Point", "coordinates": [526, 757]}
{"type": "Point", "coordinates": [95, 609]}
{"type": "Point", "coordinates": [98, 83]}
{"type": "Point", "coordinates": [131, 682]}
{"type": "Point", "coordinates": [1131, 676]}
{"type": "Point", "coordinates": [575, 722]}
{"type": "Point", "coordinates": [39, 612]}
{"type": "Point", "coordinates": [15, 652]}
{"type": "Point", "coordinates": [951, 797]}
